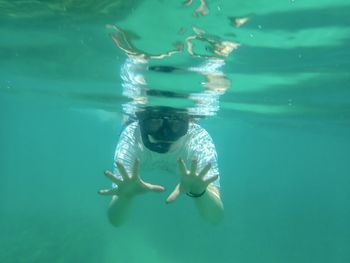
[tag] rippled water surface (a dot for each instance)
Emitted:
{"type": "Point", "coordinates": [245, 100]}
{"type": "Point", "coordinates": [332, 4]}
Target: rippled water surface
{"type": "Point", "coordinates": [269, 80]}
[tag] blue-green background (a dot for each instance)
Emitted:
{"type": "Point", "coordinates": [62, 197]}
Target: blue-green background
{"type": "Point", "coordinates": [282, 134]}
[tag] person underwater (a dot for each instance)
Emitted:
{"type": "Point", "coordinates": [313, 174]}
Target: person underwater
{"type": "Point", "coordinates": [172, 135]}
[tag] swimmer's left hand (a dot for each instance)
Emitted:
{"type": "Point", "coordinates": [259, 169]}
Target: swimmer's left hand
{"type": "Point", "coordinates": [191, 181]}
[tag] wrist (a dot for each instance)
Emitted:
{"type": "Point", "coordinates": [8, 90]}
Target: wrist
{"type": "Point", "coordinates": [127, 196]}
{"type": "Point", "coordinates": [196, 194]}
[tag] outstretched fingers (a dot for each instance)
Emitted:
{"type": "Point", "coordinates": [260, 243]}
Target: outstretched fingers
{"type": "Point", "coordinates": [182, 167]}
{"type": "Point", "coordinates": [153, 187]}
{"type": "Point", "coordinates": [174, 194]}
{"type": "Point", "coordinates": [204, 170]}
{"type": "Point", "coordinates": [112, 177]}
{"type": "Point", "coordinates": [194, 165]}
{"type": "Point", "coordinates": [211, 179]}
{"type": "Point", "coordinates": [107, 191]}
{"type": "Point", "coordinates": [135, 169]}
{"type": "Point", "coordinates": [122, 170]}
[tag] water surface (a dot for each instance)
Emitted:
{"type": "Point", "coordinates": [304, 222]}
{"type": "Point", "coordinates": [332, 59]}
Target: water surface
{"type": "Point", "coordinates": [281, 128]}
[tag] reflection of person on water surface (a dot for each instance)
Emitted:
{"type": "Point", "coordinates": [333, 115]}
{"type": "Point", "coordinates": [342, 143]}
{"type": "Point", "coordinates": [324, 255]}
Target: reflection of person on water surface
{"type": "Point", "coordinates": [160, 139]}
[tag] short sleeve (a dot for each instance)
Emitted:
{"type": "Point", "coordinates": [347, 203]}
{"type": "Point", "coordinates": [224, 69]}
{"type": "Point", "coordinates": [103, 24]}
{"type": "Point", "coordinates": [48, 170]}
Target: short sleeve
{"type": "Point", "coordinates": [200, 146]}
{"type": "Point", "coordinates": [127, 149]}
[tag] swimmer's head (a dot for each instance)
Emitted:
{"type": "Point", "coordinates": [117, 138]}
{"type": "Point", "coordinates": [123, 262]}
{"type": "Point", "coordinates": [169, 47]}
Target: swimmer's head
{"type": "Point", "coordinates": [162, 126]}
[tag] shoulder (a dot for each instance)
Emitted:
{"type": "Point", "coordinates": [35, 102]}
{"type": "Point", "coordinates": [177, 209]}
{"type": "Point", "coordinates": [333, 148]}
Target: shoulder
{"type": "Point", "coordinates": [197, 132]}
{"type": "Point", "coordinates": [129, 146]}
{"type": "Point", "coordinates": [131, 127]}
{"type": "Point", "coordinates": [198, 140]}
{"type": "Point", "coordinates": [130, 130]}
{"type": "Point", "coordinates": [130, 135]}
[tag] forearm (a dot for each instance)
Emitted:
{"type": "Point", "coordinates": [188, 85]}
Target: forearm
{"type": "Point", "coordinates": [118, 210]}
{"type": "Point", "coordinates": [210, 205]}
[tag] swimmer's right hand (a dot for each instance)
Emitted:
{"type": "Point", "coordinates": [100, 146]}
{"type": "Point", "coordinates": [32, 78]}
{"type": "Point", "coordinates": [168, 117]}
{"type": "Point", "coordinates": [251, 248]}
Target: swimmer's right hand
{"type": "Point", "coordinates": [128, 186]}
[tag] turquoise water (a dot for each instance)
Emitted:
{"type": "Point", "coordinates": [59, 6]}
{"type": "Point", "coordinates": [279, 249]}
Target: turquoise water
{"type": "Point", "coordinates": [281, 132]}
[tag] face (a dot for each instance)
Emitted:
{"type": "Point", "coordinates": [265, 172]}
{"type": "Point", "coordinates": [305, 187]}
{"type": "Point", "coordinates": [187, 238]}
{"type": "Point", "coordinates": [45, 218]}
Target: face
{"type": "Point", "coordinates": [162, 126]}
